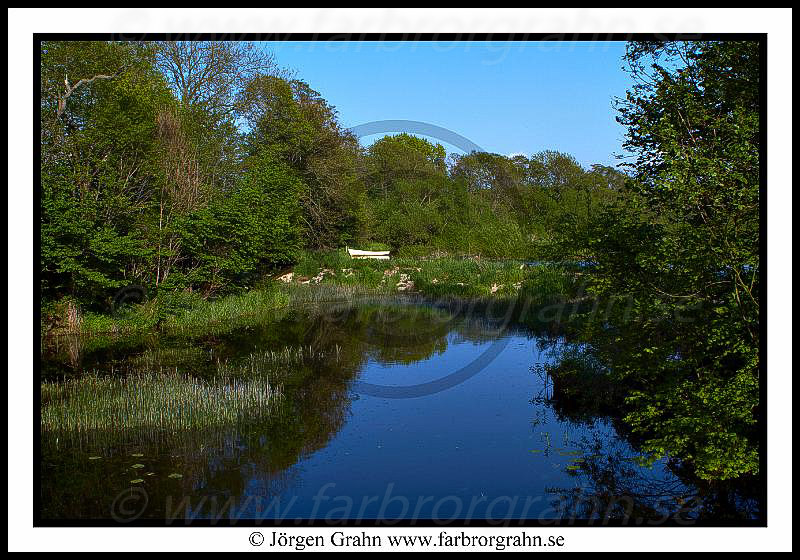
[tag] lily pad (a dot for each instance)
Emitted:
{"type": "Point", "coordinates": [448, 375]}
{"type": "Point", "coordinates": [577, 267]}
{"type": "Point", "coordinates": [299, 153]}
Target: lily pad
{"type": "Point", "coordinates": [137, 480]}
{"type": "Point", "coordinates": [150, 474]}
{"type": "Point", "coordinates": [175, 475]}
{"type": "Point", "coordinates": [95, 458]}
{"type": "Point", "coordinates": [137, 466]}
{"type": "Point", "coordinates": [137, 454]}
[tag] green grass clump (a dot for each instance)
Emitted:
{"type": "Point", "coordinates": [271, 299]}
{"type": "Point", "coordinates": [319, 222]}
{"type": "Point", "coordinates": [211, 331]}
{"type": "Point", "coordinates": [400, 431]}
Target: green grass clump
{"type": "Point", "coordinates": [464, 277]}
{"type": "Point", "coordinates": [179, 312]}
{"type": "Point", "coordinates": [132, 319]}
{"type": "Point", "coordinates": [273, 364]}
{"type": "Point", "coordinates": [230, 312]}
{"type": "Point", "coordinates": [141, 317]}
{"type": "Point", "coordinates": [153, 401]}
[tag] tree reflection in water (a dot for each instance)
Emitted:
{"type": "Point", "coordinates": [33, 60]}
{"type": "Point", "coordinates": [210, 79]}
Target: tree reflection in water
{"type": "Point", "coordinates": [611, 482]}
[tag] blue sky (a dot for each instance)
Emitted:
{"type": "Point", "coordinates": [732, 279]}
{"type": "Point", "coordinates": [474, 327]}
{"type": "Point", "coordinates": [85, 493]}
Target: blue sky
{"type": "Point", "coordinates": [518, 97]}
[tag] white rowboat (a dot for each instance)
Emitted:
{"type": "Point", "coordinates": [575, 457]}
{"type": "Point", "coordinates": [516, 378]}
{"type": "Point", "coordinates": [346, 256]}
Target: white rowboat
{"type": "Point", "coordinates": [358, 254]}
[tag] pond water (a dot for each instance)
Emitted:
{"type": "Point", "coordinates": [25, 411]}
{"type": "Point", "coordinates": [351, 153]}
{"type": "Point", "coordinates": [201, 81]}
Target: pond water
{"type": "Point", "coordinates": [380, 411]}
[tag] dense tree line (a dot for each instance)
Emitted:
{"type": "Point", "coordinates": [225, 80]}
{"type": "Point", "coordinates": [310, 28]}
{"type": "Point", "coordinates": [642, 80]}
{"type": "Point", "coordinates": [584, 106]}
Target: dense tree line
{"type": "Point", "coordinates": [203, 165]}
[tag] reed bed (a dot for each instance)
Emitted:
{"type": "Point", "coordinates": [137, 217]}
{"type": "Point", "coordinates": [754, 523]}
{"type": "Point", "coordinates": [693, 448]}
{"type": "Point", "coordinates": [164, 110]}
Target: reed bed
{"type": "Point", "coordinates": [176, 314]}
{"type": "Point", "coordinates": [153, 401]}
{"type": "Point", "coordinates": [230, 312]}
{"type": "Point", "coordinates": [272, 363]}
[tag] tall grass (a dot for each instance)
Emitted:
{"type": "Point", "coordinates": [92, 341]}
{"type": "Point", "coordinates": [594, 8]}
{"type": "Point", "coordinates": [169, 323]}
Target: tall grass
{"type": "Point", "coordinates": [230, 312]}
{"type": "Point", "coordinates": [442, 275]}
{"type": "Point", "coordinates": [275, 364]}
{"type": "Point", "coordinates": [311, 262]}
{"type": "Point", "coordinates": [153, 401]}
{"type": "Point", "coordinates": [464, 277]}
{"type": "Point", "coordinates": [437, 277]}
{"type": "Point", "coordinates": [178, 313]}
{"type": "Point", "coordinates": [139, 318]}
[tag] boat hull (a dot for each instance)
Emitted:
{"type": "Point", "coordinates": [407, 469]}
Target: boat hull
{"type": "Point", "coordinates": [357, 254]}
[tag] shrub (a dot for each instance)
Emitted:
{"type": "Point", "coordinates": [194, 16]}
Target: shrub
{"type": "Point", "coordinates": [253, 228]}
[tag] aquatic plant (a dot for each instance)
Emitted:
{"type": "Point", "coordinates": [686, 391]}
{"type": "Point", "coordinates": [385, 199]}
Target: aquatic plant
{"type": "Point", "coordinates": [272, 363]}
{"type": "Point", "coordinates": [162, 401]}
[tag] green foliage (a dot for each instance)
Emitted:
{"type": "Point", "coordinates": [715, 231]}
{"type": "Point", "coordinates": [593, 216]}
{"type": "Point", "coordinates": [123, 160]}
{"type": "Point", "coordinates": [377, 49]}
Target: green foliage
{"type": "Point", "coordinates": [374, 246]}
{"type": "Point", "coordinates": [681, 250]}
{"type": "Point", "coordinates": [298, 128]}
{"type": "Point", "coordinates": [416, 251]}
{"type": "Point", "coordinates": [547, 284]}
{"type": "Point", "coordinates": [708, 422]}
{"type": "Point", "coordinates": [393, 160]}
{"type": "Point", "coordinates": [97, 157]}
{"type": "Point", "coordinates": [255, 227]}
{"type": "Point", "coordinates": [79, 254]}
{"type": "Point", "coordinates": [432, 209]}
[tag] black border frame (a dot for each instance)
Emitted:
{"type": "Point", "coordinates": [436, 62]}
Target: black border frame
{"type": "Point", "coordinates": [761, 38]}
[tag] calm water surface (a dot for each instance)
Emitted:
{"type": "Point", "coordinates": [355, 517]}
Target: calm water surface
{"type": "Point", "coordinates": [399, 411]}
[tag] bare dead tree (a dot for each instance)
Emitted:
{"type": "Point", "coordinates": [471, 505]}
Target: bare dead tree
{"type": "Point", "coordinates": [179, 159]}
{"type": "Point", "coordinates": [182, 190]}
{"type": "Point", "coordinates": [211, 72]}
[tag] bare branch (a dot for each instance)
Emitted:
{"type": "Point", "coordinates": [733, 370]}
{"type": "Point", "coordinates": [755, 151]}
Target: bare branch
{"type": "Point", "coordinates": [68, 90]}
